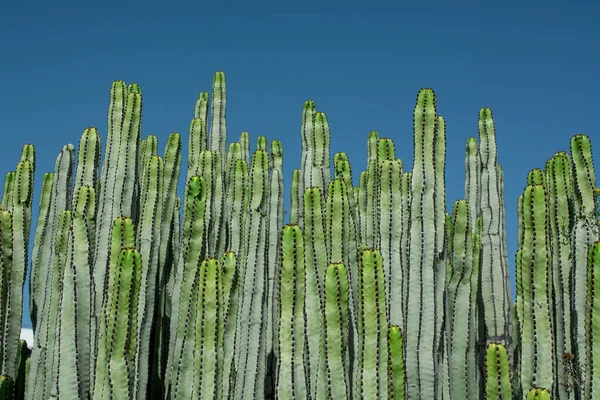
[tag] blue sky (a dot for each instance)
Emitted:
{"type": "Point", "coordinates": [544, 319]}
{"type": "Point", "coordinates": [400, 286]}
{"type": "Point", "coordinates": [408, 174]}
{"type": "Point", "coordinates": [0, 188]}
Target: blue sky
{"type": "Point", "coordinates": [537, 65]}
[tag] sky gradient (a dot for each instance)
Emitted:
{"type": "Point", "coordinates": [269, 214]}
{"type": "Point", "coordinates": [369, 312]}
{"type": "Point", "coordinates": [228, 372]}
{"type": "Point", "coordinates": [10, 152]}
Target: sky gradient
{"type": "Point", "coordinates": [537, 65]}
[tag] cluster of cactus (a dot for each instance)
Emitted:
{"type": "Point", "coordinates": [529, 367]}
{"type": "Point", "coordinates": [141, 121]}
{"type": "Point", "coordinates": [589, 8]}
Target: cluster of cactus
{"type": "Point", "coordinates": [371, 291]}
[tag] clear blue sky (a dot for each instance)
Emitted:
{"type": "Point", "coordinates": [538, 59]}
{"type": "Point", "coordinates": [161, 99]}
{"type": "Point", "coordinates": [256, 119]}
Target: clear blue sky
{"type": "Point", "coordinates": [536, 64]}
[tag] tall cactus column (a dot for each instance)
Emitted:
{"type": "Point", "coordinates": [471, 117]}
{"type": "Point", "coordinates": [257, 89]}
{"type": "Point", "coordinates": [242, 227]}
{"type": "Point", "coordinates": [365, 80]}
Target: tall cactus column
{"type": "Point", "coordinates": [421, 318]}
{"type": "Point", "coordinates": [495, 287]}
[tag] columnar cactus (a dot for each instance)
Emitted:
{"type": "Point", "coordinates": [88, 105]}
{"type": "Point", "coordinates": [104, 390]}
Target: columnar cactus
{"type": "Point", "coordinates": [372, 291]}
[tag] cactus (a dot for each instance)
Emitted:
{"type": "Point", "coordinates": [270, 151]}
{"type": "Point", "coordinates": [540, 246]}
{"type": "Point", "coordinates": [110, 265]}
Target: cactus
{"type": "Point", "coordinates": [370, 291]}
{"type": "Point", "coordinates": [497, 371]}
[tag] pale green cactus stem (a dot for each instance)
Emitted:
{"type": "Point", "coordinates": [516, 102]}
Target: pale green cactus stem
{"type": "Point", "coordinates": [476, 327]}
{"type": "Point", "coordinates": [537, 359]}
{"type": "Point", "coordinates": [262, 143]}
{"type": "Point", "coordinates": [592, 324]}
{"type": "Point", "coordinates": [494, 267]}
{"type": "Point", "coordinates": [372, 328]}
{"type": "Point", "coordinates": [227, 321]}
{"type": "Point", "coordinates": [371, 193]}
{"type": "Point", "coordinates": [384, 150]}
{"type": "Point", "coordinates": [439, 161]}
{"type": "Point", "coordinates": [421, 346]}
{"type": "Point", "coordinates": [41, 252]}
{"type": "Point", "coordinates": [536, 177]}
{"type": "Point", "coordinates": [558, 178]}
{"type": "Point", "coordinates": [148, 241]}
{"type": "Point", "coordinates": [74, 362]}
{"type": "Point", "coordinates": [362, 209]}
{"type": "Point", "coordinates": [291, 382]}
{"type": "Point", "coordinates": [233, 154]}
{"type": "Point", "coordinates": [9, 181]}
{"type": "Point", "coordinates": [6, 267]}
{"type": "Point", "coordinates": [201, 109]}
{"type": "Point", "coordinates": [295, 197]}
{"type": "Point", "coordinates": [122, 237]}
{"type": "Point", "coordinates": [307, 158]}
{"type": "Point", "coordinates": [472, 178]}
{"type": "Point", "coordinates": [119, 173]}
{"type": "Point", "coordinates": [237, 194]}
{"type": "Point", "coordinates": [317, 242]}
{"type": "Point", "coordinates": [198, 136]}
{"type": "Point", "coordinates": [179, 368]}
{"type": "Point", "coordinates": [317, 233]}
{"type": "Point", "coordinates": [218, 128]}
{"type": "Point", "coordinates": [335, 356]}
{"type": "Point", "coordinates": [320, 172]}
{"type": "Point", "coordinates": [538, 394]}
{"type": "Point", "coordinates": [46, 378]}
{"type": "Point", "coordinates": [196, 144]}
{"type": "Point", "coordinates": [131, 154]}
{"type": "Point", "coordinates": [113, 379]}
{"type": "Point", "coordinates": [391, 217]}
{"type": "Point", "coordinates": [586, 230]}
{"type": "Point", "coordinates": [148, 148]}
{"type": "Point", "coordinates": [211, 170]}
{"type": "Point", "coordinates": [207, 326]}
{"type": "Point", "coordinates": [88, 159]}
{"type": "Point", "coordinates": [397, 369]}
{"type": "Point", "coordinates": [276, 222]}
{"type": "Point", "coordinates": [462, 367]}
{"type": "Point", "coordinates": [497, 373]}
{"type": "Point", "coordinates": [251, 354]}
{"type": "Point", "coordinates": [13, 261]}
{"type": "Point", "coordinates": [343, 171]}
{"type": "Point", "coordinates": [405, 240]}
{"type": "Point", "coordinates": [245, 143]}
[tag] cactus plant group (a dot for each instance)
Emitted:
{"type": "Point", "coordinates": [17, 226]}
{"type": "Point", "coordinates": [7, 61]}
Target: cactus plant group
{"type": "Point", "coordinates": [369, 291]}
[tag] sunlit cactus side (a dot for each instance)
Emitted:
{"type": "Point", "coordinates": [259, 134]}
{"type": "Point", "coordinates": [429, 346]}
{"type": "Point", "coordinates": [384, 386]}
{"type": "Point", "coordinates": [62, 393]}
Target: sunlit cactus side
{"type": "Point", "coordinates": [372, 349]}
{"type": "Point", "coordinates": [316, 256]}
{"type": "Point", "coordinates": [538, 394]}
{"type": "Point", "coordinates": [291, 379]}
{"type": "Point", "coordinates": [586, 231]}
{"type": "Point", "coordinates": [537, 357]}
{"type": "Point", "coordinates": [495, 287]}
{"type": "Point", "coordinates": [208, 328]}
{"type": "Point", "coordinates": [179, 368]}
{"type": "Point", "coordinates": [462, 360]}
{"type": "Point", "coordinates": [472, 178]}
{"type": "Point", "coordinates": [114, 360]}
{"type": "Point", "coordinates": [251, 354]}
{"type": "Point", "coordinates": [276, 221]}
{"type": "Point", "coordinates": [48, 263]}
{"type": "Point", "coordinates": [592, 324]}
{"type": "Point", "coordinates": [559, 185]}
{"type": "Point", "coordinates": [148, 241]}
{"type": "Point", "coordinates": [119, 173]}
{"type": "Point", "coordinates": [335, 352]}
{"type": "Point", "coordinates": [397, 368]}
{"type": "Point", "coordinates": [227, 322]}
{"type": "Point", "coordinates": [13, 263]}
{"type": "Point", "coordinates": [422, 379]}
{"type": "Point", "coordinates": [304, 179]}
{"type": "Point", "coordinates": [41, 251]}
{"type": "Point", "coordinates": [391, 233]}
{"type": "Point", "coordinates": [74, 362]}
{"type": "Point", "coordinates": [497, 373]}
{"type": "Point", "coordinates": [218, 129]}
